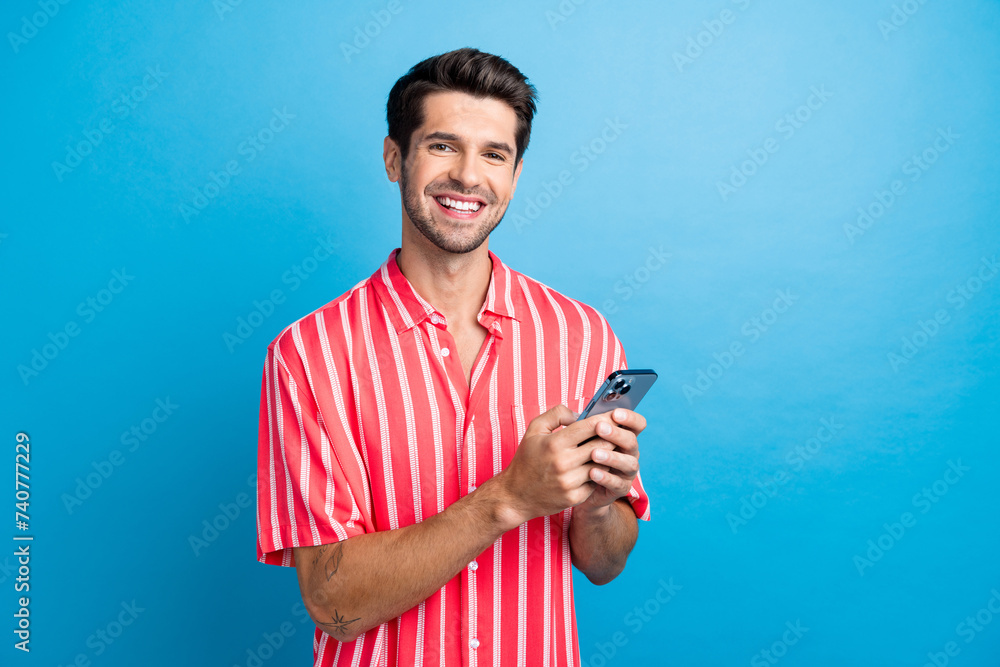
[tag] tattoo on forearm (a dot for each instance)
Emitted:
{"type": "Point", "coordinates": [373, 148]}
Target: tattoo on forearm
{"type": "Point", "coordinates": [333, 562]}
{"type": "Point", "coordinates": [319, 554]}
{"type": "Point", "coordinates": [339, 623]}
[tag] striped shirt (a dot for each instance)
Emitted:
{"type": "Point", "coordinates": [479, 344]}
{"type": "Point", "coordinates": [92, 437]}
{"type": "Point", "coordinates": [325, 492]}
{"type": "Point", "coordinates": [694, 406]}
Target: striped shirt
{"type": "Point", "coordinates": [367, 424]}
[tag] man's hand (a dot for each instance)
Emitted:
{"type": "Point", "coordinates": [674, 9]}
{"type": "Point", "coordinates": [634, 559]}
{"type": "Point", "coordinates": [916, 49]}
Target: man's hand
{"type": "Point", "coordinates": [556, 465]}
{"type": "Point", "coordinates": [603, 530]}
{"type": "Point", "coordinates": [618, 464]}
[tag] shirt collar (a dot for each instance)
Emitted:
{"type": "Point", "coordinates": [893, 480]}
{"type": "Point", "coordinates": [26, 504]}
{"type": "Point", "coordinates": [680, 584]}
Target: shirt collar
{"type": "Point", "coordinates": [406, 308]}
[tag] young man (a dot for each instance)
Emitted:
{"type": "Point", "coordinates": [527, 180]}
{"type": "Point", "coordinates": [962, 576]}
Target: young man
{"type": "Point", "coordinates": [420, 464]}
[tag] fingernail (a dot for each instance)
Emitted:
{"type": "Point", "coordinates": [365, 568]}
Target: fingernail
{"type": "Point", "coordinates": [598, 475]}
{"type": "Point", "coordinates": [619, 414]}
{"type": "Point", "coordinates": [600, 455]}
{"type": "Point", "coordinates": [604, 428]}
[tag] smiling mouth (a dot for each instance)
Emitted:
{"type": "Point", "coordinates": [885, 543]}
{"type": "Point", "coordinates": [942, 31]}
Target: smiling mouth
{"type": "Point", "coordinates": [457, 208]}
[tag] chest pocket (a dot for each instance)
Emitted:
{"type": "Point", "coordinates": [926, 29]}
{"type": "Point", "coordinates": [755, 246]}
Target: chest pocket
{"type": "Point", "coordinates": [513, 430]}
{"type": "Point", "coordinates": [517, 423]}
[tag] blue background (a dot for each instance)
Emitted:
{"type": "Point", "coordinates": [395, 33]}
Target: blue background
{"type": "Point", "coordinates": [706, 456]}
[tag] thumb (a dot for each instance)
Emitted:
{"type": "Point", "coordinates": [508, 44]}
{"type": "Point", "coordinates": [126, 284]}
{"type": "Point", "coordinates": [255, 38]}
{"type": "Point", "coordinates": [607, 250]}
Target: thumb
{"type": "Point", "coordinates": [550, 420]}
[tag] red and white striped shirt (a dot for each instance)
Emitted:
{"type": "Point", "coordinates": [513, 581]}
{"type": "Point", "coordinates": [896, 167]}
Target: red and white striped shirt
{"type": "Point", "coordinates": [367, 424]}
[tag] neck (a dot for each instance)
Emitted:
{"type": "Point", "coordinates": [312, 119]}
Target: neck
{"type": "Point", "coordinates": [456, 285]}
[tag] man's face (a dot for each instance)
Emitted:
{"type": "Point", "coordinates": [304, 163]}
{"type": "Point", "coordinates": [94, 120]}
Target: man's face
{"type": "Point", "coordinates": [459, 176]}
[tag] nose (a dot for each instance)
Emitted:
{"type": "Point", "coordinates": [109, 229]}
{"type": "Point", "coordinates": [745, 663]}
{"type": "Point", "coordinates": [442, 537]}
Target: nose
{"type": "Point", "coordinates": [467, 170]}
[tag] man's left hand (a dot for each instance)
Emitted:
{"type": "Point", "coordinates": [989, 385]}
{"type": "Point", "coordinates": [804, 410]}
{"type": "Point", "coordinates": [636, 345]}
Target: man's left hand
{"type": "Point", "coordinates": [617, 459]}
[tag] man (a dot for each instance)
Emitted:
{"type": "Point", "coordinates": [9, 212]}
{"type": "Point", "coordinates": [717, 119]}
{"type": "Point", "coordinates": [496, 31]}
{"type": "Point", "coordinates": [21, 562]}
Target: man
{"type": "Point", "coordinates": [420, 463]}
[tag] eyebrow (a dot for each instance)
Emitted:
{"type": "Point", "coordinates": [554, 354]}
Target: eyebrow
{"type": "Point", "coordinates": [447, 136]}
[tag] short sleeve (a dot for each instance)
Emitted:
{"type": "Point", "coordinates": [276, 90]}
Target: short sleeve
{"type": "Point", "coordinates": [311, 488]}
{"type": "Point", "coordinates": [637, 496]}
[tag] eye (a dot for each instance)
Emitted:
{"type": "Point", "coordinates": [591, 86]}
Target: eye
{"type": "Point", "coordinates": [441, 146]}
{"type": "Point", "coordinates": [495, 156]}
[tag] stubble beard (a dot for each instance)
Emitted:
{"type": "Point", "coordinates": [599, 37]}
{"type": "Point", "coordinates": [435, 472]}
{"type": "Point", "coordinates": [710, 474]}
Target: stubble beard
{"type": "Point", "coordinates": [460, 239]}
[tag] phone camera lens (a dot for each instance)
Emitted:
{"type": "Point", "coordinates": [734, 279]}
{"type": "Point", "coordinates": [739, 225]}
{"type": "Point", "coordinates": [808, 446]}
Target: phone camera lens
{"type": "Point", "coordinates": [624, 390]}
{"type": "Point", "coordinates": [617, 386]}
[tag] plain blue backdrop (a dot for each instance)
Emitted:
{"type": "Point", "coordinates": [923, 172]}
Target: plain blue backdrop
{"type": "Point", "coordinates": [788, 210]}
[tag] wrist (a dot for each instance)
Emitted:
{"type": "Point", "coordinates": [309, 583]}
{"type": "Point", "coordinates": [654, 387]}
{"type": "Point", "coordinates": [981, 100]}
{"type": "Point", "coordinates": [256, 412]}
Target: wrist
{"type": "Point", "coordinates": [503, 509]}
{"type": "Point", "coordinates": [587, 511]}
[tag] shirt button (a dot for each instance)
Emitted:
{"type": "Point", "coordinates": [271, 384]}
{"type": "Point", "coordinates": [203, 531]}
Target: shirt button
{"type": "Point", "coordinates": [473, 566]}
{"type": "Point", "coordinates": [472, 488]}
{"type": "Point", "coordinates": [474, 643]}
{"type": "Point", "coordinates": [436, 319]}
{"type": "Point", "coordinates": [445, 352]}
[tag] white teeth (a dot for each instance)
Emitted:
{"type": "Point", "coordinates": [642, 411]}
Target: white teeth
{"type": "Point", "coordinates": [459, 205]}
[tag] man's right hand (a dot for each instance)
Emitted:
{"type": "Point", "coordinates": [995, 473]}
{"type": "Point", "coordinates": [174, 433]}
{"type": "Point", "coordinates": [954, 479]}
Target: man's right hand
{"type": "Point", "coordinates": [550, 470]}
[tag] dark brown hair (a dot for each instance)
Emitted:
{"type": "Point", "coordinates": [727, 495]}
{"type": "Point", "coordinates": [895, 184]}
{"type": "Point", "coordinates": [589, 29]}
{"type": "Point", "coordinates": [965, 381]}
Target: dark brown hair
{"type": "Point", "coordinates": [464, 70]}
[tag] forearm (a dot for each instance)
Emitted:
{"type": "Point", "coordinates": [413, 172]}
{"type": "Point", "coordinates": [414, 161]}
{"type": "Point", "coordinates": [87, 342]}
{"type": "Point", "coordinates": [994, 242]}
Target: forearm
{"type": "Point", "coordinates": [600, 541]}
{"type": "Point", "coordinates": [359, 583]}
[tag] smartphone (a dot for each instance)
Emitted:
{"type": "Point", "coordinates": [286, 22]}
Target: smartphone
{"type": "Point", "coordinates": [622, 389]}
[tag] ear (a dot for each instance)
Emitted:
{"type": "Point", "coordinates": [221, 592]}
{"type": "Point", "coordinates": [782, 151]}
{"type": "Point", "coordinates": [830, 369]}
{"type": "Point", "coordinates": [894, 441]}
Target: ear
{"type": "Point", "coordinates": [393, 159]}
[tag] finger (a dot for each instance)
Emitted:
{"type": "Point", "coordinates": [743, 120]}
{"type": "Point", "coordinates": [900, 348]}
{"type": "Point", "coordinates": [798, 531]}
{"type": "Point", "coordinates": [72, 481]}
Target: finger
{"type": "Point", "coordinates": [576, 433]}
{"type": "Point", "coordinates": [587, 430]}
{"type": "Point", "coordinates": [612, 482]}
{"type": "Point", "coordinates": [578, 455]}
{"type": "Point", "coordinates": [622, 438]}
{"type": "Point", "coordinates": [625, 465]}
{"type": "Point", "coordinates": [550, 420]}
{"type": "Point", "coordinates": [580, 476]}
{"type": "Point", "coordinates": [629, 419]}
